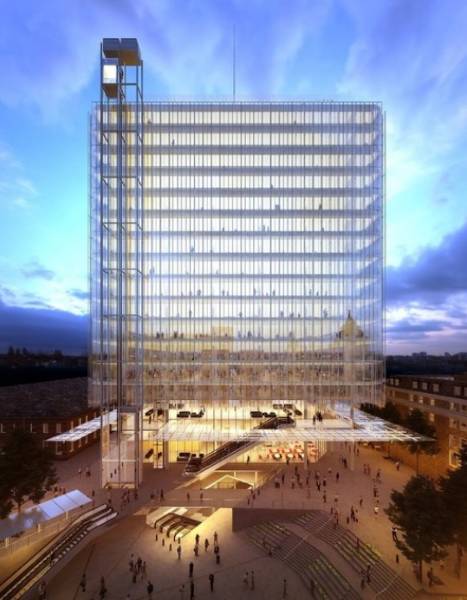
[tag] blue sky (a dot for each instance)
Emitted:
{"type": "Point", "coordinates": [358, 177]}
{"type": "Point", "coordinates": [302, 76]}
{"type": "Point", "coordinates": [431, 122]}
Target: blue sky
{"type": "Point", "coordinates": [410, 54]}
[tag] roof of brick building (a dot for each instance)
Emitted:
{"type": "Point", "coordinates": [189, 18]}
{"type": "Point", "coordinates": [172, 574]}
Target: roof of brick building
{"type": "Point", "coordinates": [61, 398]}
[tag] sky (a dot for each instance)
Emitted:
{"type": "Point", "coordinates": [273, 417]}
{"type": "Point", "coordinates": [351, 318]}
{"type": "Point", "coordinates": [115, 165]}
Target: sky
{"type": "Point", "coordinates": [409, 54]}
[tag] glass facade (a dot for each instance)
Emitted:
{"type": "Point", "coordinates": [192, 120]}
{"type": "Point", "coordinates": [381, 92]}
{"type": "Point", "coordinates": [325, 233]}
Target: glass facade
{"type": "Point", "coordinates": [250, 259]}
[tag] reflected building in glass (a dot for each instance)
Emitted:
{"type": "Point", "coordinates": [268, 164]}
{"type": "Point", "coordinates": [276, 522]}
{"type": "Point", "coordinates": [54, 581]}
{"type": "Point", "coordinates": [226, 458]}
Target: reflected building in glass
{"type": "Point", "coordinates": [237, 264]}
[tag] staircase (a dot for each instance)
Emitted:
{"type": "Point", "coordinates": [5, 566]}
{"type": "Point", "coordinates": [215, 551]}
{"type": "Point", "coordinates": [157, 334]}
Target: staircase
{"type": "Point", "coordinates": [175, 525]}
{"type": "Point", "coordinates": [225, 453]}
{"type": "Point", "coordinates": [315, 570]}
{"type": "Point", "coordinates": [31, 573]}
{"type": "Point", "coordinates": [385, 582]}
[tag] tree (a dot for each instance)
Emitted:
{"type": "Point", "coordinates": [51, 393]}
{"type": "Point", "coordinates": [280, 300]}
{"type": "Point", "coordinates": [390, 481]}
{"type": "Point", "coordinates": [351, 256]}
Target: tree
{"type": "Point", "coordinates": [26, 471]}
{"type": "Point", "coordinates": [454, 494]}
{"type": "Point", "coordinates": [417, 422]}
{"type": "Point", "coordinates": [418, 512]}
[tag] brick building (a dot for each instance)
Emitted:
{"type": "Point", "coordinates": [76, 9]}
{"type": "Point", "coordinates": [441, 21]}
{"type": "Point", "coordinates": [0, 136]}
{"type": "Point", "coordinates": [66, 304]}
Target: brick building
{"type": "Point", "coordinates": [46, 409]}
{"type": "Point", "coordinates": [443, 400]}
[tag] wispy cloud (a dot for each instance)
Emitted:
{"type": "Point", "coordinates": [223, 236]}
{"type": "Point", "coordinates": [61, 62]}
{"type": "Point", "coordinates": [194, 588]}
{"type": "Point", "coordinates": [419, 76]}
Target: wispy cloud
{"type": "Point", "coordinates": [35, 269]}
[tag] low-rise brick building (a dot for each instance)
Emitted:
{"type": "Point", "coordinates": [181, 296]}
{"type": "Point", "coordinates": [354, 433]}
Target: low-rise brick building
{"type": "Point", "coordinates": [443, 400]}
{"type": "Point", "coordinates": [46, 409]}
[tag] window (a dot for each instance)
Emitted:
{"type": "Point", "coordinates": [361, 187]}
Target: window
{"type": "Point", "coordinates": [432, 401]}
{"type": "Point", "coordinates": [45, 428]}
{"type": "Point", "coordinates": [2, 428]}
{"type": "Point", "coordinates": [457, 390]}
{"type": "Point", "coordinates": [58, 428]}
{"type": "Point", "coordinates": [424, 385]}
{"type": "Point", "coordinates": [415, 385]}
{"type": "Point", "coordinates": [436, 387]}
{"type": "Point", "coordinates": [431, 417]}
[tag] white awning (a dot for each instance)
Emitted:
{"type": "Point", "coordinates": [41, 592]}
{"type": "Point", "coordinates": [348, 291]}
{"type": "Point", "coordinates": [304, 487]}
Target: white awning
{"type": "Point", "coordinates": [42, 513]}
{"type": "Point", "coordinates": [85, 429]}
{"type": "Point", "coordinates": [340, 429]}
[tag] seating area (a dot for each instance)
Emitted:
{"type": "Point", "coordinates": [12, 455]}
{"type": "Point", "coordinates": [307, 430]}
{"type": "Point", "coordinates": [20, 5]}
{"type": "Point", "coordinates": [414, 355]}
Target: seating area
{"type": "Point", "coordinates": [384, 580]}
{"type": "Point", "coordinates": [315, 570]}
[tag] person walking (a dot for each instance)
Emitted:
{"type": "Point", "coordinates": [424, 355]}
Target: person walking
{"type": "Point", "coordinates": [82, 582]}
{"type": "Point", "coordinates": [216, 537]}
{"type": "Point", "coordinates": [394, 534]}
{"type": "Point", "coordinates": [150, 589]}
{"type": "Point", "coordinates": [42, 591]}
{"type": "Point", "coordinates": [102, 588]}
{"type": "Point", "coordinates": [252, 581]}
{"type": "Point", "coordinates": [181, 590]}
{"type": "Point", "coordinates": [211, 581]}
{"type": "Point", "coordinates": [206, 544]}
{"type": "Point", "coordinates": [192, 589]}
{"type": "Point", "coordinates": [190, 569]}
{"type": "Point", "coordinates": [179, 551]}
{"type": "Point", "coordinates": [284, 588]}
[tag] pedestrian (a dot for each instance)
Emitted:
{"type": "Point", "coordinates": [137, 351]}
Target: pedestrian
{"type": "Point", "coordinates": [150, 589]}
{"type": "Point", "coordinates": [179, 551]}
{"type": "Point", "coordinates": [398, 465]}
{"type": "Point", "coordinates": [397, 558]}
{"type": "Point", "coordinates": [376, 510]}
{"type": "Point", "coordinates": [361, 501]}
{"type": "Point", "coordinates": [162, 495]}
{"type": "Point", "coordinates": [206, 544]}
{"type": "Point", "coordinates": [82, 583]}
{"type": "Point", "coordinates": [362, 583]}
{"type": "Point", "coordinates": [102, 588]}
{"type": "Point", "coordinates": [394, 534]}
{"type": "Point", "coordinates": [42, 591]}
{"type": "Point", "coordinates": [211, 581]}
{"type": "Point", "coordinates": [190, 569]}
{"type": "Point", "coordinates": [284, 588]}
{"type": "Point", "coordinates": [196, 550]}
{"type": "Point", "coordinates": [337, 477]}
{"type": "Point", "coordinates": [80, 472]}
{"type": "Point", "coordinates": [197, 538]}
{"type": "Point", "coordinates": [192, 589]}
{"type": "Point", "coordinates": [139, 564]}
{"type": "Point", "coordinates": [201, 496]}
{"type": "Point", "coordinates": [218, 559]}
{"type": "Point", "coordinates": [182, 591]}
{"type": "Point", "coordinates": [188, 496]}
{"type": "Point", "coordinates": [245, 580]}
{"type": "Point", "coordinates": [252, 581]}
{"type": "Point", "coordinates": [143, 570]}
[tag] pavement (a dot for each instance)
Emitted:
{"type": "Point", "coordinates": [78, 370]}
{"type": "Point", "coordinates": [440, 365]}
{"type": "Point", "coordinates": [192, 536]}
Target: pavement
{"type": "Point", "coordinates": [108, 555]}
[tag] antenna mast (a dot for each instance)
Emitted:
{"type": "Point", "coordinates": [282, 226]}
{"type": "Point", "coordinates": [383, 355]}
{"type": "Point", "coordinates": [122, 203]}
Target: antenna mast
{"type": "Point", "coordinates": [233, 64]}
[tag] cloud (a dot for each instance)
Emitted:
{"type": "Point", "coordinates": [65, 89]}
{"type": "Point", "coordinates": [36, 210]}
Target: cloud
{"type": "Point", "coordinates": [187, 45]}
{"type": "Point", "coordinates": [17, 191]}
{"type": "Point", "coordinates": [42, 329]}
{"type": "Point", "coordinates": [79, 294]}
{"type": "Point", "coordinates": [433, 276]}
{"type": "Point", "coordinates": [427, 298]}
{"type": "Point", "coordinates": [35, 270]}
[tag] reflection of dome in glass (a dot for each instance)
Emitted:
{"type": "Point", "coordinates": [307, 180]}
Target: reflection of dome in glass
{"type": "Point", "coordinates": [350, 329]}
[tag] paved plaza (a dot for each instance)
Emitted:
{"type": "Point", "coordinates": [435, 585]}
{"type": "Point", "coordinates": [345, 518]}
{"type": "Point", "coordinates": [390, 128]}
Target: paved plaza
{"type": "Point", "coordinates": [108, 555]}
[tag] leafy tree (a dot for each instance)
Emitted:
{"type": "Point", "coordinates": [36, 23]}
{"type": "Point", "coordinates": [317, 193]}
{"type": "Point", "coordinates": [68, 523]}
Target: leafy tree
{"type": "Point", "coordinates": [418, 512]}
{"type": "Point", "coordinates": [26, 471]}
{"type": "Point", "coordinates": [417, 422]}
{"type": "Point", "coordinates": [454, 493]}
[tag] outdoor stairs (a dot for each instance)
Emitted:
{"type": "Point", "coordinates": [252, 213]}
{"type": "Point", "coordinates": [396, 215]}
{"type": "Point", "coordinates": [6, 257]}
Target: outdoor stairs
{"type": "Point", "coordinates": [384, 581]}
{"type": "Point", "coordinates": [204, 466]}
{"type": "Point", "coordinates": [175, 525]}
{"type": "Point", "coordinates": [304, 559]}
{"type": "Point", "coordinates": [31, 573]}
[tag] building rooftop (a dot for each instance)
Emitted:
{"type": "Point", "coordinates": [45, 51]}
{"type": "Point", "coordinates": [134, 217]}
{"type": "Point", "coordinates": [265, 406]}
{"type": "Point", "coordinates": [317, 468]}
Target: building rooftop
{"type": "Point", "coordinates": [455, 385]}
{"type": "Point", "coordinates": [56, 399]}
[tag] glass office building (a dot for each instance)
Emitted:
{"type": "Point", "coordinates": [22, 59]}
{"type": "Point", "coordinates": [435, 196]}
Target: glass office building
{"type": "Point", "coordinates": [237, 266]}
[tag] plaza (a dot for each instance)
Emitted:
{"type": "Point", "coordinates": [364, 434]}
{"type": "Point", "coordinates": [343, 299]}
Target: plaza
{"type": "Point", "coordinates": [108, 554]}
